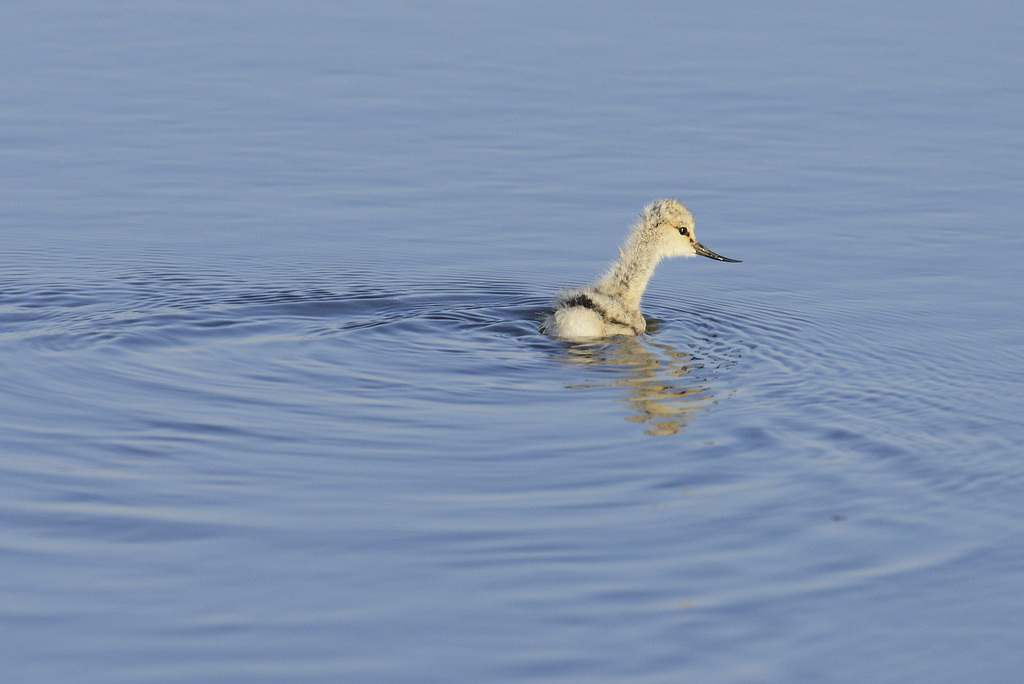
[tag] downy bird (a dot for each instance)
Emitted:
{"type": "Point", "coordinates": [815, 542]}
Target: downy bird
{"type": "Point", "coordinates": [611, 306]}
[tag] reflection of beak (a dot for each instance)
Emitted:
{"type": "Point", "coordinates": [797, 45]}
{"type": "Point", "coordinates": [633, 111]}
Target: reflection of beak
{"type": "Point", "coordinates": [704, 251]}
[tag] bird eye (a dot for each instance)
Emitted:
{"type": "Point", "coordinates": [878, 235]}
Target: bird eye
{"type": "Point", "coordinates": [684, 231]}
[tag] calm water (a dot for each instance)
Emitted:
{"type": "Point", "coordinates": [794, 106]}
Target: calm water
{"type": "Point", "coordinates": [273, 403]}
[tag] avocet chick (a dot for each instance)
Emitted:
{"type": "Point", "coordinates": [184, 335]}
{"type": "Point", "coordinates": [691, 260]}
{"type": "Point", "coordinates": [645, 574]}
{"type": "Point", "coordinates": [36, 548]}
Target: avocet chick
{"type": "Point", "coordinates": [611, 306]}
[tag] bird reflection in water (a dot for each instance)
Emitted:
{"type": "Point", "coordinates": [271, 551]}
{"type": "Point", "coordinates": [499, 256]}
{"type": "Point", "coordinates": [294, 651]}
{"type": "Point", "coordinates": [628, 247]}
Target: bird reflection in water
{"type": "Point", "coordinates": [664, 386]}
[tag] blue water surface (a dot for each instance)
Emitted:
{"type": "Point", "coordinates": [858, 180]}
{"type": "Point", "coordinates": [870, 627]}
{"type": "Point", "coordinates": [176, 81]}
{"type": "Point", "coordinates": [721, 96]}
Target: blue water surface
{"type": "Point", "coordinates": [274, 406]}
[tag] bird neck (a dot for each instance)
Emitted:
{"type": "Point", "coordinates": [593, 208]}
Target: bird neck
{"type": "Point", "coordinates": [628, 278]}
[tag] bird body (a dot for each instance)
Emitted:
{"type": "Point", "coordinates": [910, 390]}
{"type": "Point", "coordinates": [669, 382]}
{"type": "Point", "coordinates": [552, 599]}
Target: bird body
{"type": "Point", "coordinates": [611, 306]}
